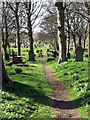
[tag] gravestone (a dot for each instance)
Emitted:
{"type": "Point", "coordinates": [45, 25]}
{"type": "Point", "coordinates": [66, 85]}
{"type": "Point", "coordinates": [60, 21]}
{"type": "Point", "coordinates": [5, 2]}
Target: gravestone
{"type": "Point", "coordinates": [16, 60]}
{"type": "Point", "coordinates": [47, 50]}
{"type": "Point", "coordinates": [37, 51]}
{"type": "Point", "coordinates": [55, 54]}
{"type": "Point", "coordinates": [68, 55]}
{"type": "Point", "coordinates": [40, 54]}
{"type": "Point", "coordinates": [31, 55]}
{"type": "Point", "coordinates": [7, 56]}
{"type": "Point", "coordinates": [50, 59]}
{"type": "Point", "coordinates": [79, 53]}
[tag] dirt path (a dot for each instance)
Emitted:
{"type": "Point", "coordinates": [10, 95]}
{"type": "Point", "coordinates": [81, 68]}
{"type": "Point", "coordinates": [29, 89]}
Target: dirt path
{"type": "Point", "coordinates": [60, 101]}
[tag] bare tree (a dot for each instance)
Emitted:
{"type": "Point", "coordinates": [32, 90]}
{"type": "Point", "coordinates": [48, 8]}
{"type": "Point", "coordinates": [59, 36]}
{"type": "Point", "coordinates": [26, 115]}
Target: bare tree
{"type": "Point", "coordinates": [31, 15]}
{"type": "Point", "coordinates": [87, 10]}
{"type": "Point", "coordinates": [62, 38]}
{"type": "Point", "coordinates": [4, 77]}
{"type": "Point", "coordinates": [48, 24]}
{"type": "Point", "coordinates": [15, 8]}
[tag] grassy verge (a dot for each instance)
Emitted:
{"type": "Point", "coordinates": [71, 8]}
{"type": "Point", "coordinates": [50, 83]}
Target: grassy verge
{"type": "Point", "coordinates": [27, 97]}
{"type": "Point", "coordinates": [75, 77]}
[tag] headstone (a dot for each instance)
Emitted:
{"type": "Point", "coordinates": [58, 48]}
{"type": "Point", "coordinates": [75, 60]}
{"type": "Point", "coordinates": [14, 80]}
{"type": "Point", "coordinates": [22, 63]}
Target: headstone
{"type": "Point", "coordinates": [7, 56]}
{"type": "Point", "coordinates": [55, 54]}
{"type": "Point", "coordinates": [40, 54]}
{"type": "Point", "coordinates": [50, 59]}
{"type": "Point", "coordinates": [37, 51]}
{"type": "Point", "coordinates": [40, 51]}
{"type": "Point", "coordinates": [68, 55]}
{"type": "Point", "coordinates": [47, 50]}
{"type": "Point", "coordinates": [31, 55]}
{"type": "Point", "coordinates": [86, 55]}
{"type": "Point", "coordinates": [17, 59]}
{"type": "Point", "coordinates": [79, 53]}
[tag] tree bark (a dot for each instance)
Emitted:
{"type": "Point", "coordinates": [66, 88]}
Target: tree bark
{"type": "Point", "coordinates": [30, 34]}
{"type": "Point", "coordinates": [4, 34]}
{"type": "Point", "coordinates": [61, 34]}
{"type": "Point", "coordinates": [80, 41]}
{"type": "Point", "coordinates": [17, 30]}
{"type": "Point", "coordinates": [87, 9]}
{"type": "Point", "coordinates": [74, 40]}
{"type": "Point", "coordinates": [5, 78]}
{"type": "Point", "coordinates": [89, 41]}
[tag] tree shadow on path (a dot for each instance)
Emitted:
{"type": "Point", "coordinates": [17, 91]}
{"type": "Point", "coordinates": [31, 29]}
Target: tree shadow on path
{"type": "Point", "coordinates": [23, 90]}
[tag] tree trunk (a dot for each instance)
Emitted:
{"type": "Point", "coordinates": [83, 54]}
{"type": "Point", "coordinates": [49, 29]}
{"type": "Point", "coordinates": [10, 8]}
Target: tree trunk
{"type": "Point", "coordinates": [61, 34]}
{"type": "Point", "coordinates": [5, 78]}
{"type": "Point", "coordinates": [17, 30]}
{"type": "Point", "coordinates": [4, 36]}
{"type": "Point", "coordinates": [74, 40]}
{"type": "Point", "coordinates": [30, 34]}
{"type": "Point", "coordinates": [79, 40]}
{"type": "Point", "coordinates": [89, 41]}
{"type": "Point", "coordinates": [68, 54]}
{"type": "Point", "coordinates": [88, 11]}
{"type": "Point", "coordinates": [84, 44]}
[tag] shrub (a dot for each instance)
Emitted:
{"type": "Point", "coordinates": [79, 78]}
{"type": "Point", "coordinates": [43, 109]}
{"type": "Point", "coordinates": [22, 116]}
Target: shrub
{"type": "Point", "coordinates": [18, 70]}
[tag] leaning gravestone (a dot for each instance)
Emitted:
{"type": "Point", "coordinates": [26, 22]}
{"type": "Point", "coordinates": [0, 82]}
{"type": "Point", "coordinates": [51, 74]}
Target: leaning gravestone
{"type": "Point", "coordinates": [79, 53]}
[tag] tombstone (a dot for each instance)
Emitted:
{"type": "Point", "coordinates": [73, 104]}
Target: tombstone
{"type": "Point", "coordinates": [17, 59]}
{"type": "Point", "coordinates": [37, 51]}
{"type": "Point", "coordinates": [40, 51]}
{"type": "Point", "coordinates": [40, 54]}
{"type": "Point", "coordinates": [50, 59]}
{"type": "Point", "coordinates": [13, 55]}
{"type": "Point", "coordinates": [86, 56]}
{"type": "Point", "coordinates": [7, 56]}
{"type": "Point", "coordinates": [68, 55]}
{"type": "Point", "coordinates": [55, 54]}
{"type": "Point", "coordinates": [79, 53]}
{"type": "Point", "coordinates": [35, 45]}
{"type": "Point", "coordinates": [47, 50]}
{"type": "Point", "coordinates": [31, 55]}
{"type": "Point", "coordinates": [49, 55]}
{"type": "Point", "coordinates": [51, 51]}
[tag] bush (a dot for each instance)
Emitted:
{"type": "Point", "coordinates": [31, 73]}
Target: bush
{"type": "Point", "coordinates": [18, 70]}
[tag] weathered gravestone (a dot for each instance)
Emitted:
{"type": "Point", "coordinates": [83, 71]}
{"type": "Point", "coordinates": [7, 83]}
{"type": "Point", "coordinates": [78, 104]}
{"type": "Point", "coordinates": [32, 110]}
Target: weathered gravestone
{"type": "Point", "coordinates": [79, 53]}
{"type": "Point", "coordinates": [17, 60]}
{"type": "Point", "coordinates": [47, 50]}
{"type": "Point", "coordinates": [7, 56]}
{"type": "Point", "coordinates": [55, 54]}
{"type": "Point", "coordinates": [68, 55]}
{"type": "Point", "coordinates": [50, 59]}
{"type": "Point", "coordinates": [31, 55]}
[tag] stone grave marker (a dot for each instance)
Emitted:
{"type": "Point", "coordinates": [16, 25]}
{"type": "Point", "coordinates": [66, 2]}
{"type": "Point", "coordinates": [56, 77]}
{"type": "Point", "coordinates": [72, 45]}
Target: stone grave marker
{"type": "Point", "coordinates": [79, 53]}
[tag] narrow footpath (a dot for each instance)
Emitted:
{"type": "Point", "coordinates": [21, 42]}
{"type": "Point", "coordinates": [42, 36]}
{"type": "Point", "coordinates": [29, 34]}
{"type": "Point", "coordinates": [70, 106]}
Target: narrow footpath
{"type": "Point", "coordinates": [60, 100]}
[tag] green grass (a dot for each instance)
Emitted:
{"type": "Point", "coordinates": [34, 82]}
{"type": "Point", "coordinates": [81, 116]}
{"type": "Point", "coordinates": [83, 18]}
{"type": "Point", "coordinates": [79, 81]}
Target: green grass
{"type": "Point", "coordinates": [27, 97]}
{"type": "Point", "coordinates": [75, 77]}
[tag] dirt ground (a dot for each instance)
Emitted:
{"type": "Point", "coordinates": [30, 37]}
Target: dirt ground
{"type": "Point", "coordinates": [60, 100]}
